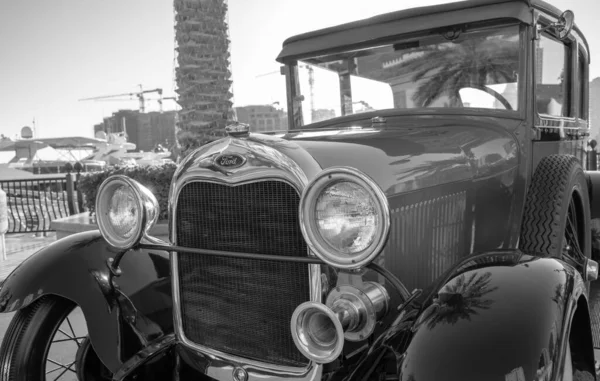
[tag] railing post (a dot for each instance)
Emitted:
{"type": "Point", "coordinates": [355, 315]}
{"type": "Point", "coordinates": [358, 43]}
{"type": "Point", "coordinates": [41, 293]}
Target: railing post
{"type": "Point", "coordinates": [70, 189]}
{"type": "Point", "coordinates": [592, 156]}
{"type": "Point", "coordinates": [3, 223]}
{"type": "Point", "coordinates": [78, 167]}
{"type": "Point", "coordinates": [592, 160]}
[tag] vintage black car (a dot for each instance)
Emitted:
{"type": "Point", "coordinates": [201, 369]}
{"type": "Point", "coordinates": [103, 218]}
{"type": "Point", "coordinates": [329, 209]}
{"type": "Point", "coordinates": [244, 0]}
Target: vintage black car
{"type": "Point", "coordinates": [426, 217]}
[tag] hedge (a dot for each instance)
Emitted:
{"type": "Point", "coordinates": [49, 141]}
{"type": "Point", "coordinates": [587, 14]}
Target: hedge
{"type": "Point", "coordinates": [156, 178]}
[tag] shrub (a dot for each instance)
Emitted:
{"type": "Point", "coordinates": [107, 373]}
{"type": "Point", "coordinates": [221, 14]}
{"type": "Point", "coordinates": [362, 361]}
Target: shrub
{"type": "Point", "coordinates": [156, 178]}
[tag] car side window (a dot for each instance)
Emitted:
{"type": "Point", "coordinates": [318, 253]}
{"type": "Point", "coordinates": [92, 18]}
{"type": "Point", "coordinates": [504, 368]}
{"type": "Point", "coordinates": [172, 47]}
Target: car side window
{"type": "Point", "coordinates": [552, 77]}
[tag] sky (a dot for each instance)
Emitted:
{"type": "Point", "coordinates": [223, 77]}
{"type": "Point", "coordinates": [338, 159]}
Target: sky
{"type": "Point", "coordinates": [55, 52]}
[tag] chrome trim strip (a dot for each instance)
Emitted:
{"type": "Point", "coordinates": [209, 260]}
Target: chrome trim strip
{"type": "Point", "coordinates": [264, 163]}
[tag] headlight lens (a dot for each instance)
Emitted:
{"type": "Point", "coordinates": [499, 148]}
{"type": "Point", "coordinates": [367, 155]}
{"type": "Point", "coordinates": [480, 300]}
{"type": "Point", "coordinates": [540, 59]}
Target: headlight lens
{"type": "Point", "coordinates": [344, 217]}
{"type": "Point", "coordinates": [125, 210]}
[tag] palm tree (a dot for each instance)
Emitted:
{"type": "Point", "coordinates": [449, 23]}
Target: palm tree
{"type": "Point", "coordinates": [203, 75]}
{"type": "Point", "coordinates": [445, 69]}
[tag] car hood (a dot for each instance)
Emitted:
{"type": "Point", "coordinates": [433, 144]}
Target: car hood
{"type": "Point", "coordinates": [411, 153]}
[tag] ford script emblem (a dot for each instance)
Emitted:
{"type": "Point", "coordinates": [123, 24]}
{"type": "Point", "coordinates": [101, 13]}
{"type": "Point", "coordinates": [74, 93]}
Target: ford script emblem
{"type": "Point", "coordinates": [230, 160]}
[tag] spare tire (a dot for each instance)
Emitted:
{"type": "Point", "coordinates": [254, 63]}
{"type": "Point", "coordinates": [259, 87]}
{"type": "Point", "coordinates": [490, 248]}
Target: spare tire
{"type": "Point", "coordinates": [556, 217]}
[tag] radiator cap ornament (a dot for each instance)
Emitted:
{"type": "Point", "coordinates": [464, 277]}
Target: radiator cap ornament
{"type": "Point", "coordinates": [238, 129]}
{"type": "Point", "coordinates": [230, 160]}
{"type": "Point", "coordinates": [240, 374]}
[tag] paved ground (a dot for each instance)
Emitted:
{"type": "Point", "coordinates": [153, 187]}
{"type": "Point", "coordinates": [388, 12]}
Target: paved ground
{"type": "Point", "coordinates": [20, 247]}
{"type": "Point", "coordinates": [4, 321]}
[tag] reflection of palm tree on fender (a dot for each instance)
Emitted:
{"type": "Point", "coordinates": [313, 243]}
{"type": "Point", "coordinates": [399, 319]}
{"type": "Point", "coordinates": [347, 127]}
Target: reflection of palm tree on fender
{"type": "Point", "coordinates": [462, 298]}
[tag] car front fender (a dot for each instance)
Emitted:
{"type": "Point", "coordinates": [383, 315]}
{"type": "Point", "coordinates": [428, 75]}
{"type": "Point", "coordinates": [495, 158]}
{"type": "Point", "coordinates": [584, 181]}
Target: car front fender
{"type": "Point", "coordinates": [121, 318]}
{"type": "Point", "coordinates": [498, 316]}
{"type": "Point", "coordinates": [498, 321]}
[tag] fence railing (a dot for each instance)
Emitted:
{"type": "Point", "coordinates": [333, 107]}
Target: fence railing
{"type": "Point", "coordinates": [34, 202]}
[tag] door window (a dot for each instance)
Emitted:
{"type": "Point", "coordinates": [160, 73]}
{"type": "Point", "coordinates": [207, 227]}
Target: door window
{"type": "Point", "coordinates": [552, 77]}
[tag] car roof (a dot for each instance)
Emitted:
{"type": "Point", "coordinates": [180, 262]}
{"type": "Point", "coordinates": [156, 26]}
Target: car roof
{"type": "Point", "coordinates": [411, 20]}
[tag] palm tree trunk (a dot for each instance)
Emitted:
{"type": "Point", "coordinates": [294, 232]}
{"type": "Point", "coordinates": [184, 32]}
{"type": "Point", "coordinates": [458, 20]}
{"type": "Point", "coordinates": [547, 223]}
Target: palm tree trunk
{"type": "Point", "coordinates": [203, 75]}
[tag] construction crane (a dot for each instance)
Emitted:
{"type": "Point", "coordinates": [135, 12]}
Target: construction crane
{"type": "Point", "coordinates": [160, 101]}
{"type": "Point", "coordinates": [311, 83]}
{"type": "Point", "coordinates": [268, 74]}
{"type": "Point", "coordinates": [138, 94]}
{"type": "Point", "coordinates": [146, 101]}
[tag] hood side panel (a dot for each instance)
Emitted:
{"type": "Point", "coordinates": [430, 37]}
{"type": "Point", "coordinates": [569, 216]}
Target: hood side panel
{"type": "Point", "coordinates": [451, 188]}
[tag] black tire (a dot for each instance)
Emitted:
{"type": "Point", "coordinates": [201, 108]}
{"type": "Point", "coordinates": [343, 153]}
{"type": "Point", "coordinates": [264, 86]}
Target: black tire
{"type": "Point", "coordinates": [27, 341]}
{"type": "Point", "coordinates": [557, 210]}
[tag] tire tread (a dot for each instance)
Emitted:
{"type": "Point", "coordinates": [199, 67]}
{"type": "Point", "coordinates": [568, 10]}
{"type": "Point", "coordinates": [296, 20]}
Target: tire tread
{"type": "Point", "coordinates": [541, 227]}
{"type": "Point", "coordinates": [19, 342]}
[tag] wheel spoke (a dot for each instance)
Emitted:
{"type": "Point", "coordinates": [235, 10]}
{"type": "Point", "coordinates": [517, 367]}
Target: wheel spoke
{"type": "Point", "coordinates": [66, 334]}
{"type": "Point", "coordinates": [59, 366]}
{"type": "Point", "coordinates": [60, 369]}
{"type": "Point", "coordinates": [571, 236]}
{"type": "Point", "coordinates": [65, 370]}
{"type": "Point", "coordinates": [572, 240]}
{"type": "Point", "coordinates": [72, 331]}
{"type": "Point", "coordinates": [573, 219]}
{"type": "Point", "coordinates": [65, 367]}
{"type": "Point", "coordinates": [69, 339]}
{"type": "Point", "coordinates": [574, 226]}
{"type": "Point", "coordinates": [54, 370]}
{"type": "Point", "coordinates": [575, 237]}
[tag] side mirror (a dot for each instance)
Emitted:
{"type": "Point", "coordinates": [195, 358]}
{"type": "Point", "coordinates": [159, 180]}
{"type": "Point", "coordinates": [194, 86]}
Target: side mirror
{"type": "Point", "coordinates": [563, 26]}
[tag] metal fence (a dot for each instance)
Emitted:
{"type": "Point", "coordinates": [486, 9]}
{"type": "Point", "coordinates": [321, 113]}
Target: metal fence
{"type": "Point", "coordinates": [592, 160]}
{"type": "Point", "coordinates": [34, 202]}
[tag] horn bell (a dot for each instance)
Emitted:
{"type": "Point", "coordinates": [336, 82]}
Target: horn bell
{"type": "Point", "coordinates": [351, 313]}
{"type": "Point", "coordinates": [317, 332]}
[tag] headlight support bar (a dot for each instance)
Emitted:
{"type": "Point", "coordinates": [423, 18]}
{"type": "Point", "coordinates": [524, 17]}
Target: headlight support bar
{"type": "Point", "coordinates": [394, 281]}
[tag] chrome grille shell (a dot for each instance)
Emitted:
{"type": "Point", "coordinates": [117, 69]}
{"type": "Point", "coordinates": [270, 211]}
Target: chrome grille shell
{"type": "Point", "coordinates": [268, 159]}
{"type": "Point", "coordinates": [237, 305]}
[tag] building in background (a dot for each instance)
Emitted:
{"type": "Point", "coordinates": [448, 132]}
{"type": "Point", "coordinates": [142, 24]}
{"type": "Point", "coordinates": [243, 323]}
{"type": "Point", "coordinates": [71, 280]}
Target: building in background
{"type": "Point", "coordinates": [262, 118]}
{"type": "Point", "coordinates": [145, 130]}
{"type": "Point", "coordinates": [539, 62]}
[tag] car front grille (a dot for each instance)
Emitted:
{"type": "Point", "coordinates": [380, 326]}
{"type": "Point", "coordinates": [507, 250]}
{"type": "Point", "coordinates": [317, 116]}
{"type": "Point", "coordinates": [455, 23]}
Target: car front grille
{"type": "Point", "coordinates": [238, 306]}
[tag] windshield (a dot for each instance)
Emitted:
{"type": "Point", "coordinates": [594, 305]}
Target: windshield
{"type": "Point", "coordinates": [454, 68]}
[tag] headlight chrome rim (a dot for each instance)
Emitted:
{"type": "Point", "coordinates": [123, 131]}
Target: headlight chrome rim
{"type": "Point", "coordinates": [145, 202]}
{"type": "Point", "coordinates": [317, 243]}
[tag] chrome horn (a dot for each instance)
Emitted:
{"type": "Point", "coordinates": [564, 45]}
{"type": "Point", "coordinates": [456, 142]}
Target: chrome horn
{"type": "Point", "coordinates": [350, 313]}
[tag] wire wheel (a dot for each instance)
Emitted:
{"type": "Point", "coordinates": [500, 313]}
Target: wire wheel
{"type": "Point", "coordinates": [61, 358]}
{"type": "Point", "coordinates": [47, 341]}
{"type": "Point", "coordinates": [574, 244]}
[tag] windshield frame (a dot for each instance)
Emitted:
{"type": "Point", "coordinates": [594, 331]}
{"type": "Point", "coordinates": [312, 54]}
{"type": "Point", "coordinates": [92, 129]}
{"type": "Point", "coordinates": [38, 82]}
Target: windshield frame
{"type": "Point", "coordinates": [294, 107]}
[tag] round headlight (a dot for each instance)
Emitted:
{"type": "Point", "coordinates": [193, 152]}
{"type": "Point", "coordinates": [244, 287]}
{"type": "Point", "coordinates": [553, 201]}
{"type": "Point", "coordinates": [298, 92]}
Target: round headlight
{"type": "Point", "coordinates": [125, 210]}
{"type": "Point", "coordinates": [344, 217]}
